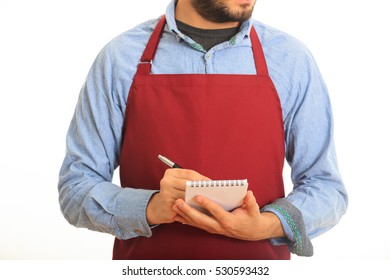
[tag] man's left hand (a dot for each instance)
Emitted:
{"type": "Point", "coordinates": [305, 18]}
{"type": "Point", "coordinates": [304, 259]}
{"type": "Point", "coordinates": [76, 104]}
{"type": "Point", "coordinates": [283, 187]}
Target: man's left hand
{"type": "Point", "coordinates": [245, 222]}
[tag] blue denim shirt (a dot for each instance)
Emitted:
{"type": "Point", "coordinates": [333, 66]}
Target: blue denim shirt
{"type": "Point", "coordinates": [89, 199]}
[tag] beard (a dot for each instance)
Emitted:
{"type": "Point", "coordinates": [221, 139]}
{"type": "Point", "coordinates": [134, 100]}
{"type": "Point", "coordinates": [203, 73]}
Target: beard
{"type": "Point", "coordinates": [219, 12]}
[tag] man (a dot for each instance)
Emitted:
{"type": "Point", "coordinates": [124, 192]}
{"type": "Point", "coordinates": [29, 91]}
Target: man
{"type": "Point", "coordinates": [225, 96]}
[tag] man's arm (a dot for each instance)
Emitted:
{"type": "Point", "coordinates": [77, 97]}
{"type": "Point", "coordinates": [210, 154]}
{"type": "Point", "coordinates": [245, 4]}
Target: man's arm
{"type": "Point", "coordinates": [319, 198]}
{"type": "Point", "coordinates": [87, 197]}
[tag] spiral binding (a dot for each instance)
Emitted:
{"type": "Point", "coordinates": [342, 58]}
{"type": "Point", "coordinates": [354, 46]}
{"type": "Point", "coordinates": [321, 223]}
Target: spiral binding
{"type": "Point", "coordinates": [217, 183]}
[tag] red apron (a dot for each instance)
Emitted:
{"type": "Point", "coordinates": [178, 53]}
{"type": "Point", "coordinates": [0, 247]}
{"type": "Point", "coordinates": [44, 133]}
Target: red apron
{"type": "Point", "coordinates": [224, 127]}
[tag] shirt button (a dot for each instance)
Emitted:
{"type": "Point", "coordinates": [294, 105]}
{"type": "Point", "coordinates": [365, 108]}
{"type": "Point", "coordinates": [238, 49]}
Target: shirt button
{"type": "Point", "coordinates": [138, 231]}
{"type": "Point", "coordinates": [208, 56]}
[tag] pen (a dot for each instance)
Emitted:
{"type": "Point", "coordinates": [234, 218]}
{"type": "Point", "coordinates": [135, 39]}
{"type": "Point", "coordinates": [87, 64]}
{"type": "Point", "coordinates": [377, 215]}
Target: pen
{"type": "Point", "coordinates": [169, 162]}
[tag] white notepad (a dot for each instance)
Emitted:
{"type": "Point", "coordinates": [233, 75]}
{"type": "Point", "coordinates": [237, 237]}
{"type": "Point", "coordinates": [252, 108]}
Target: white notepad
{"type": "Point", "coordinates": [229, 194]}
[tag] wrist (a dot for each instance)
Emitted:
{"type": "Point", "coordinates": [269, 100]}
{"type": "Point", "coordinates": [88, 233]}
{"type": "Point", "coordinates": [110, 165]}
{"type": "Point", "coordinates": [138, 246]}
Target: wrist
{"type": "Point", "coordinates": [274, 226]}
{"type": "Point", "coordinates": [151, 216]}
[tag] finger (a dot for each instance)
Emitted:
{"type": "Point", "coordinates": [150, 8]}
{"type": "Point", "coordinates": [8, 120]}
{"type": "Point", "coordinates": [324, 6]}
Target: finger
{"type": "Point", "coordinates": [185, 211]}
{"type": "Point", "coordinates": [215, 210]}
{"type": "Point", "coordinates": [250, 203]}
{"type": "Point", "coordinates": [192, 216]}
{"type": "Point", "coordinates": [185, 174]}
{"type": "Point", "coordinates": [180, 219]}
{"type": "Point", "coordinates": [172, 183]}
{"type": "Point", "coordinates": [175, 178]}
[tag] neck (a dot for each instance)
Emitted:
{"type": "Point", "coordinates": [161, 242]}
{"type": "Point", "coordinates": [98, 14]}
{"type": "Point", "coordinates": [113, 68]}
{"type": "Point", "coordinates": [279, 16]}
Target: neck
{"type": "Point", "coordinates": [184, 12]}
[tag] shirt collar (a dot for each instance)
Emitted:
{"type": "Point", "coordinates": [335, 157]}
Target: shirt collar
{"type": "Point", "coordinates": [171, 22]}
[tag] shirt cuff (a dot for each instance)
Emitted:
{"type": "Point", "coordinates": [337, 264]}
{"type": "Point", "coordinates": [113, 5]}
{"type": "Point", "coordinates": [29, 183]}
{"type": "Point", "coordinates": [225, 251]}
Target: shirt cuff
{"type": "Point", "coordinates": [291, 218]}
{"type": "Point", "coordinates": [130, 214]}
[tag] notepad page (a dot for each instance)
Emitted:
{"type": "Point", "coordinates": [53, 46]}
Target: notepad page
{"type": "Point", "coordinates": [229, 194]}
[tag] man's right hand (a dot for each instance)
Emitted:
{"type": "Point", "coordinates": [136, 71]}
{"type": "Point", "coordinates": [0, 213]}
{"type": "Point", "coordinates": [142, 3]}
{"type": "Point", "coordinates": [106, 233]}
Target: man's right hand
{"type": "Point", "coordinates": [172, 187]}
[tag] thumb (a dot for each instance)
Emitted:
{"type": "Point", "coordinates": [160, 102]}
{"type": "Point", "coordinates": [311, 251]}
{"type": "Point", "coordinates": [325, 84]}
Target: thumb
{"type": "Point", "coordinates": [250, 203]}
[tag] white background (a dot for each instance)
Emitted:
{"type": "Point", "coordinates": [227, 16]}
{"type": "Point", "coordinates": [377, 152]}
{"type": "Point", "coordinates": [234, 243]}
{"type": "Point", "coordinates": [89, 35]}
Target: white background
{"type": "Point", "coordinates": [47, 48]}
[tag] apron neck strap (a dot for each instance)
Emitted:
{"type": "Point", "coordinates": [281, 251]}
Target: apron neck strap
{"type": "Point", "coordinates": [145, 63]}
{"type": "Point", "coordinates": [258, 54]}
